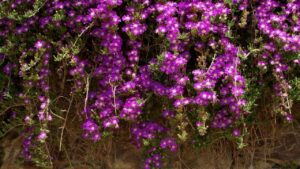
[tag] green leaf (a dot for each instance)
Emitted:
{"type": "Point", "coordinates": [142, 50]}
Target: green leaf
{"type": "Point", "coordinates": [183, 36]}
{"type": "Point", "coordinates": [59, 15]}
{"type": "Point", "coordinates": [146, 142]}
{"type": "Point", "coordinates": [295, 90]}
{"type": "Point", "coordinates": [229, 2]}
{"type": "Point", "coordinates": [291, 55]}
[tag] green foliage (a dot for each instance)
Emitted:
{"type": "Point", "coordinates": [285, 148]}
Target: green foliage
{"type": "Point", "coordinates": [59, 15]}
{"type": "Point", "coordinates": [229, 2]}
{"type": "Point", "coordinates": [146, 142]}
{"type": "Point", "coordinates": [9, 125]}
{"type": "Point", "coordinates": [14, 15]}
{"type": "Point", "coordinates": [183, 36]}
{"type": "Point", "coordinates": [290, 56]}
{"type": "Point", "coordinates": [63, 55]}
{"type": "Point", "coordinates": [66, 42]}
{"type": "Point", "coordinates": [252, 94]}
{"type": "Point", "coordinates": [41, 158]}
{"type": "Point", "coordinates": [66, 52]}
{"type": "Point", "coordinates": [32, 63]}
{"type": "Point", "coordinates": [295, 90]}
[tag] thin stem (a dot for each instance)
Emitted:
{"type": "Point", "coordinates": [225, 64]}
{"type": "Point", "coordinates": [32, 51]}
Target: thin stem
{"type": "Point", "coordinates": [86, 94]}
{"type": "Point", "coordinates": [65, 123]}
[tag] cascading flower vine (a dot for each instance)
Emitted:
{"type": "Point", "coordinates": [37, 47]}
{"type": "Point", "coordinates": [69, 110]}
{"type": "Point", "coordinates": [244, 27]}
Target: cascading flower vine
{"type": "Point", "coordinates": [194, 61]}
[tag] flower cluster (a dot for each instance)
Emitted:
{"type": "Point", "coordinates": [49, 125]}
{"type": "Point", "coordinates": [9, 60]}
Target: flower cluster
{"type": "Point", "coordinates": [131, 109]}
{"type": "Point", "coordinates": [153, 161]}
{"type": "Point", "coordinates": [276, 25]}
{"type": "Point", "coordinates": [153, 66]}
{"type": "Point", "coordinates": [91, 130]}
{"type": "Point", "coordinates": [146, 130]}
{"type": "Point", "coordinates": [168, 143]}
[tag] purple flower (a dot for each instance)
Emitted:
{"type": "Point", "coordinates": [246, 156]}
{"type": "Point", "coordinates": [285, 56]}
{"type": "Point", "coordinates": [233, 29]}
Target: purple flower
{"type": "Point", "coordinates": [168, 143]}
{"type": "Point", "coordinates": [39, 44]}
{"type": "Point", "coordinates": [42, 136]}
{"type": "Point", "coordinates": [168, 114]}
{"type": "Point", "coordinates": [236, 132]}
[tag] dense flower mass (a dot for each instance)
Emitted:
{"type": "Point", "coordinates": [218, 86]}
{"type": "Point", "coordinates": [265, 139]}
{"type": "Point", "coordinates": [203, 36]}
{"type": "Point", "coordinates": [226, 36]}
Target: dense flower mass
{"type": "Point", "coordinates": [162, 68]}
